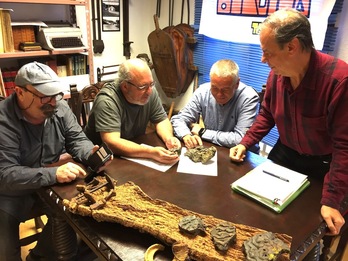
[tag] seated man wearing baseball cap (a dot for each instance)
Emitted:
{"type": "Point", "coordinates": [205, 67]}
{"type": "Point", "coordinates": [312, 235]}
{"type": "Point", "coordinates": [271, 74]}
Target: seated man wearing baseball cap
{"type": "Point", "coordinates": [37, 126]}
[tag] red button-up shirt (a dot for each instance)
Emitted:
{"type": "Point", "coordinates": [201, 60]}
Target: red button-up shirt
{"type": "Point", "coordinates": [312, 119]}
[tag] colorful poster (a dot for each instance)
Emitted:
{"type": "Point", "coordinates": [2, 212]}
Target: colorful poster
{"type": "Point", "coordinates": [238, 20]}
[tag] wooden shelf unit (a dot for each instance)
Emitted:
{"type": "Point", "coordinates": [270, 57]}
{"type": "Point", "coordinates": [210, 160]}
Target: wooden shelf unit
{"type": "Point", "coordinates": [54, 2]}
{"type": "Point", "coordinates": [22, 54]}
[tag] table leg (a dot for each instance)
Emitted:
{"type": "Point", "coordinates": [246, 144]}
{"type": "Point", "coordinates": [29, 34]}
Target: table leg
{"type": "Point", "coordinates": [314, 254]}
{"type": "Point", "coordinates": [64, 238]}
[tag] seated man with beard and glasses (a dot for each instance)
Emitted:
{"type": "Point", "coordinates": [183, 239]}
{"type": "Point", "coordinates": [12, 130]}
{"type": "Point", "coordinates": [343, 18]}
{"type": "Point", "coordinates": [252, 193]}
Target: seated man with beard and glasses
{"type": "Point", "coordinates": [122, 110]}
{"type": "Point", "coordinates": [37, 126]}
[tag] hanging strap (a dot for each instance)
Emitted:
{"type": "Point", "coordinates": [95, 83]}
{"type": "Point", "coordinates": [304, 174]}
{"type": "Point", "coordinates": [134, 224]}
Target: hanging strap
{"type": "Point", "coordinates": [158, 8]}
{"type": "Point", "coordinates": [94, 21]}
{"type": "Point", "coordinates": [99, 19]}
{"type": "Point", "coordinates": [171, 12]}
{"type": "Point", "coordinates": [188, 11]}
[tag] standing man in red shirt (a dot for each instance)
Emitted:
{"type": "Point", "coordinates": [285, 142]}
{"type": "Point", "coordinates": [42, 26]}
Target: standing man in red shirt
{"type": "Point", "coordinates": [306, 98]}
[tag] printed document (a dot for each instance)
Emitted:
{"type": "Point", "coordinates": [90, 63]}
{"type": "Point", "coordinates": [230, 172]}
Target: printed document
{"type": "Point", "coordinates": [271, 181]}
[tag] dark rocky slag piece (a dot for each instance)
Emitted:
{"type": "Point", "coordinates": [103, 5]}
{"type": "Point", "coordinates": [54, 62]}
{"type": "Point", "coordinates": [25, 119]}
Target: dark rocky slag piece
{"type": "Point", "coordinates": [192, 225]}
{"type": "Point", "coordinates": [223, 235]}
{"type": "Point", "coordinates": [201, 154]}
{"type": "Point", "coordinates": [264, 247]}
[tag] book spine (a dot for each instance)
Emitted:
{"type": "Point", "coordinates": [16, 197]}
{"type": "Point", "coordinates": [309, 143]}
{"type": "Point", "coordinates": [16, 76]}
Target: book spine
{"type": "Point", "coordinates": [52, 63]}
{"type": "Point", "coordinates": [7, 31]}
{"type": "Point", "coordinates": [2, 50]}
{"type": "Point", "coordinates": [2, 85]}
{"type": "Point", "coordinates": [11, 81]}
{"type": "Point", "coordinates": [69, 65]}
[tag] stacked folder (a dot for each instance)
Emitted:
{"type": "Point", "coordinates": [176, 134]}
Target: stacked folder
{"type": "Point", "coordinates": [271, 185]}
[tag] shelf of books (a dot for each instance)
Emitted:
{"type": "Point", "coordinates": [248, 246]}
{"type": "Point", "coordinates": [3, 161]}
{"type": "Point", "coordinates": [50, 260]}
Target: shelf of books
{"type": "Point", "coordinates": [21, 43]}
{"type": "Point", "coordinates": [64, 65]}
{"type": "Point", "coordinates": [54, 2]}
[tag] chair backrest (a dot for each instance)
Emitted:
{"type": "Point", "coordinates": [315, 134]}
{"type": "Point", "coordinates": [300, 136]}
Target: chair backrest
{"type": "Point", "coordinates": [110, 71]}
{"type": "Point", "coordinates": [75, 102]}
{"type": "Point", "coordinates": [80, 100]}
{"type": "Point", "coordinates": [262, 92]}
{"type": "Point", "coordinates": [35, 214]}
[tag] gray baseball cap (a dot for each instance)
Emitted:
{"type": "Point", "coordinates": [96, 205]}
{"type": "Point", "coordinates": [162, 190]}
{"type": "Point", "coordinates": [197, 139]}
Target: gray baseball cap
{"type": "Point", "coordinates": [41, 77]}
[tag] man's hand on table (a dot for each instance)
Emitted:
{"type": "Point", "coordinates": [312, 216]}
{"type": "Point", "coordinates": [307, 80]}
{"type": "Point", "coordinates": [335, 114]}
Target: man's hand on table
{"type": "Point", "coordinates": [173, 143]}
{"type": "Point", "coordinates": [69, 172]}
{"type": "Point", "coordinates": [333, 219]}
{"type": "Point", "coordinates": [163, 155]}
{"type": "Point", "coordinates": [237, 153]}
{"type": "Point", "coordinates": [72, 170]}
{"type": "Point", "coordinates": [192, 141]}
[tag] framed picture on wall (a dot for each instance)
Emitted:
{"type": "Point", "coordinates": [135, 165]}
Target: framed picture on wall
{"type": "Point", "coordinates": [111, 15]}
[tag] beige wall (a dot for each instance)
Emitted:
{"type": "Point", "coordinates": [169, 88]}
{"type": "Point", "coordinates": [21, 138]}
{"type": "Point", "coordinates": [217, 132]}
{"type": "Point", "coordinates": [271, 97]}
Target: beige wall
{"type": "Point", "coordinates": [141, 25]}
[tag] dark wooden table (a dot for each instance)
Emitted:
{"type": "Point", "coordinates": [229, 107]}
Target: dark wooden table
{"type": "Point", "coordinates": [203, 194]}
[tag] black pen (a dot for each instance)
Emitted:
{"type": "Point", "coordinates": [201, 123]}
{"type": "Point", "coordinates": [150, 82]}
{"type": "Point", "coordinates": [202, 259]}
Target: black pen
{"type": "Point", "coordinates": [276, 176]}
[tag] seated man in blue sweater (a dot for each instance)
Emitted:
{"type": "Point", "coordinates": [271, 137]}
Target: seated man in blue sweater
{"type": "Point", "coordinates": [227, 106]}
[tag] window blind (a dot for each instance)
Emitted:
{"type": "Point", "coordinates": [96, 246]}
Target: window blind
{"type": "Point", "coordinates": [248, 56]}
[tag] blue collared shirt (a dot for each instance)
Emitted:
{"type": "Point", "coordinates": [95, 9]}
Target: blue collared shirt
{"type": "Point", "coordinates": [225, 124]}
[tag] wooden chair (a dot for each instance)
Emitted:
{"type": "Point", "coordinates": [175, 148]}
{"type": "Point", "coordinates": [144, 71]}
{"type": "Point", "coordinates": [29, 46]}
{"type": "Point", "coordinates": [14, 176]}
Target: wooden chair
{"type": "Point", "coordinates": [39, 225]}
{"type": "Point", "coordinates": [261, 94]}
{"type": "Point", "coordinates": [79, 100]}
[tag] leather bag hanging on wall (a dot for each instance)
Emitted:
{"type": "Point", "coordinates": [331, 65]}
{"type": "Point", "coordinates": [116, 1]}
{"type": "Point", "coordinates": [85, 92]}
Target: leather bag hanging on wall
{"type": "Point", "coordinates": [172, 56]}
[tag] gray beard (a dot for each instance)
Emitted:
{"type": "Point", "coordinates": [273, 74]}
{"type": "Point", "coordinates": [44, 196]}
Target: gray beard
{"type": "Point", "coordinates": [48, 110]}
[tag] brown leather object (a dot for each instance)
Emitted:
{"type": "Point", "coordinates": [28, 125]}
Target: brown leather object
{"type": "Point", "coordinates": [131, 207]}
{"type": "Point", "coordinates": [172, 56]}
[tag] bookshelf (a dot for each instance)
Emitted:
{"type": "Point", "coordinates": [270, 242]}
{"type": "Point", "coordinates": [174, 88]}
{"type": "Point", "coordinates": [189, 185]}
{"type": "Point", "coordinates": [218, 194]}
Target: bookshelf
{"type": "Point", "coordinates": [5, 57]}
{"type": "Point", "coordinates": [55, 2]}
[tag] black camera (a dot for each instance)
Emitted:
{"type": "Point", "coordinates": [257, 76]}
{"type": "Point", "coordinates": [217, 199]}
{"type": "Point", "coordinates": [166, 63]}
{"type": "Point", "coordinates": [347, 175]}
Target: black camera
{"type": "Point", "coordinates": [98, 159]}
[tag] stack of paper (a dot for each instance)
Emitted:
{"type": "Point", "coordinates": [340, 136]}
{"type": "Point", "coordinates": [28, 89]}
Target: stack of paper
{"type": "Point", "coordinates": [272, 185]}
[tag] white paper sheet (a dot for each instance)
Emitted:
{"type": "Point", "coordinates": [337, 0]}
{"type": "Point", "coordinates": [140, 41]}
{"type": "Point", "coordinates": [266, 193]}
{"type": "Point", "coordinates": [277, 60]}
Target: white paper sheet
{"type": "Point", "coordinates": [186, 165]}
{"type": "Point", "coordinates": [150, 163]}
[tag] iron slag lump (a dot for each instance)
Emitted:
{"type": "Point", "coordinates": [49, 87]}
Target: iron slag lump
{"type": "Point", "coordinates": [192, 225]}
{"type": "Point", "coordinates": [201, 154]}
{"type": "Point", "coordinates": [264, 247]}
{"type": "Point", "coordinates": [223, 235]}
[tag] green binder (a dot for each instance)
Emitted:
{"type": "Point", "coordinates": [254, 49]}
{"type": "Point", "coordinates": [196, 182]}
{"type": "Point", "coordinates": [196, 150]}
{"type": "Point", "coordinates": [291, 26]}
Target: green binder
{"type": "Point", "coordinates": [268, 203]}
{"type": "Point", "coordinates": [271, 185]}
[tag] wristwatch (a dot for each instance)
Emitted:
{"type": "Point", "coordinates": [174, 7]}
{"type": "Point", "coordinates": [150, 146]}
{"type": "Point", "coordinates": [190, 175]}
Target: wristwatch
{"type": "Point", "coordinates": [201, 132]}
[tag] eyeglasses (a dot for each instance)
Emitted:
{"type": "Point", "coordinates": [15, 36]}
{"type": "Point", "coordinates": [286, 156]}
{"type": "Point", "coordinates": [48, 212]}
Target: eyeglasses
{"type": "Point", "coordinates": [47, 99]}
{"type": "Point", "coordinates": [144, 87]}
